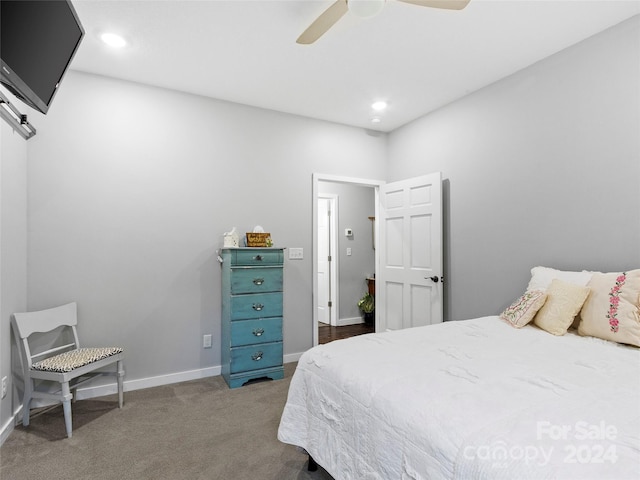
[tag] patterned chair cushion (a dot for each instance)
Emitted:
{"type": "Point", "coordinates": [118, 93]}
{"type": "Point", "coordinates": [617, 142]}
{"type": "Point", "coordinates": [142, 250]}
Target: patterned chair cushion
{"type": "Point", "coordinates": [68, 361]}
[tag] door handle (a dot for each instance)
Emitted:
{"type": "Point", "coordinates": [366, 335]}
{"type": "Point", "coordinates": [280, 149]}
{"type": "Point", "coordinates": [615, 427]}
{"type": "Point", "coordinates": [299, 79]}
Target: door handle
{"type": "Point", "coordinates": [435, 279]}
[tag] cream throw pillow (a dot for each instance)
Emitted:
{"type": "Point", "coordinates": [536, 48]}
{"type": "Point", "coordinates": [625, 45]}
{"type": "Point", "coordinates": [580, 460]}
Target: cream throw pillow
{"type": "Point", "coordinates": [524, 308]}
{"type": "Point", "coordinates": [612, 311]}
{"type": "Point", "coordinates": [564, 301]}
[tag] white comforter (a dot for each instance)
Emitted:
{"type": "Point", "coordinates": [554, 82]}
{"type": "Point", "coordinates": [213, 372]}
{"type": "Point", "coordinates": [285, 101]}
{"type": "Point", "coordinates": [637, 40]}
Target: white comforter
{"type": "Point", "coordinates": [468, 400]}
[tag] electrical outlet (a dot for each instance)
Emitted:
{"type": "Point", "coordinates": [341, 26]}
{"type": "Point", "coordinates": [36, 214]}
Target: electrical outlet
{"type": "Point", "coordinates": [4, 387]}
{"type": "Point", "coordinates": [206, 341]}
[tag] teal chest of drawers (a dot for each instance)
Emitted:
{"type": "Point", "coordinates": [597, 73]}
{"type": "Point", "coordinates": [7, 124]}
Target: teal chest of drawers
{"type": "Point", "coordinates": [251, 314]}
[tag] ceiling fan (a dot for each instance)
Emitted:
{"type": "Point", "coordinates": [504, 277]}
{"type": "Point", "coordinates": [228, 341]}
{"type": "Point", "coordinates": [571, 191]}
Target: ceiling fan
{"type": "Point", "coordinates": [364, 8]}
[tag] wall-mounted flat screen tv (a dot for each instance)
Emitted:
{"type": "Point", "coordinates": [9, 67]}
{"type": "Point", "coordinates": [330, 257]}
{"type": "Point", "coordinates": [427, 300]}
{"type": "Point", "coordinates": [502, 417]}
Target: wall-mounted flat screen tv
{"type": "Point", "coordinates": [38, 39]}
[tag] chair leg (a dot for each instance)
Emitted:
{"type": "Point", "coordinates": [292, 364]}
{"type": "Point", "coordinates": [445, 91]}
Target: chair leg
{"type": "Point", "coordinates": [26, 401]}
{"type": "Point", "coordinates": [66, 406]}
{"type": "Point", "coordinates": [120, 384]}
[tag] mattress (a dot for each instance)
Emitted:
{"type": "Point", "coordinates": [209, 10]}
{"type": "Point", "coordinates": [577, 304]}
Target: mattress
{"type": "Point", "coordinates": [470, 399]}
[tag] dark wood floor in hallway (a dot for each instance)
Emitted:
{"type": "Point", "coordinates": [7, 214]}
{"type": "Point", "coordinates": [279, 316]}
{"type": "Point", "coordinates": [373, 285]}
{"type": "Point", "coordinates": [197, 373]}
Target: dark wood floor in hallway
{"type": "Point", "coordinates": [328, 333]}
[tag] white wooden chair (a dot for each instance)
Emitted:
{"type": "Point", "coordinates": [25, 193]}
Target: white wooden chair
{"type": "Point", "coordinates": [49, 351]}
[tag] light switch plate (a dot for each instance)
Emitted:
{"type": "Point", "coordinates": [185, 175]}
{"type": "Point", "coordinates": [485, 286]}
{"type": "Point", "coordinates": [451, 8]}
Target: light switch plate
{"type": "Point", "coordinates": [296, 254]}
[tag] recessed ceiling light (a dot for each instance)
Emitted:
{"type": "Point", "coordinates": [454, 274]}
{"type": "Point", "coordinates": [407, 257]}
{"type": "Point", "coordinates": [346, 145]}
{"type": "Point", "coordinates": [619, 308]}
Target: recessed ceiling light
{"type": "Point", "coordinates": [379, 106]}
{"type": "Point", "coordinates": [376, 120]}
{"type": "Point", "coordinates": [113, 40]}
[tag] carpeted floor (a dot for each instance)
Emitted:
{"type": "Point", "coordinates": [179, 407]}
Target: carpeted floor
{"type": "Point", "coordinates": [191, 430]}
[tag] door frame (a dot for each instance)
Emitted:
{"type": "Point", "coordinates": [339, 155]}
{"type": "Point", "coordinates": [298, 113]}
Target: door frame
{"type": "Point", "coordinates": [316, 178]}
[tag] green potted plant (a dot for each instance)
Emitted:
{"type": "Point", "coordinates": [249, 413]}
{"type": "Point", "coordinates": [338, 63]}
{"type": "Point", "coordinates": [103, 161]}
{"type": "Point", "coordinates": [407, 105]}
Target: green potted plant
{"type": "Point", "coordinates": [367, 305]}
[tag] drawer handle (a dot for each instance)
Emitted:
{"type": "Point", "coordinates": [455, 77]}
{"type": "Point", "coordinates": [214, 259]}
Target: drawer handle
{"type": "Point", "coordinates": [257, 306]}
{"type": "Point", "coordinates": [258, 258]}
{"type": "Point", "coordinates": [258, 281]}
{"type": "Point", "coordinates": [258, 332]}
{"type": "Point", "coordinates": [256, 357]}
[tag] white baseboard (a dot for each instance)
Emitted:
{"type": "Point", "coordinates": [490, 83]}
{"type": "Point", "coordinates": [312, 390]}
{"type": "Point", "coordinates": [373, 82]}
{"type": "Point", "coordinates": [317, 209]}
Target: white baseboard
{"type": "Point", "coordinates": [292, 357]}
{"type": "Point", "coordinates": [140, 383]}
{"type": "Point", "coordinates": [343, 322]}
{"type": "Point", "coordinates": [130, 385]}
{"type": "Point", "coordinates": [7, 428]}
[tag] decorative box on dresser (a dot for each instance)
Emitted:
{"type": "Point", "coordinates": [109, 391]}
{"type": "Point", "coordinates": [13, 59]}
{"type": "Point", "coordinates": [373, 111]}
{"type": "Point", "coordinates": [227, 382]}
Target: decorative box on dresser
{"type": "Point", "coordinates": [251, 314]}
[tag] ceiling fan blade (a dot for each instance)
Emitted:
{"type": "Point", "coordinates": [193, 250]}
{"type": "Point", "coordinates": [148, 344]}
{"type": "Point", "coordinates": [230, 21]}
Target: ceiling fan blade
{"type": "Point", "coordinates": [323, 23]}
{"type": "Point", "coordinates": [446, 4]}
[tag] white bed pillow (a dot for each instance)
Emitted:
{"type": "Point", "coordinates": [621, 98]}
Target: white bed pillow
{"type": "Point", "coordinates": [541, 277]}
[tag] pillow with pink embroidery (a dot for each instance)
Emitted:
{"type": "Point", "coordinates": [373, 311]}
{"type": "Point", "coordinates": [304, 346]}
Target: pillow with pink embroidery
{"type": "Point", "coordinates": [524, 308]}
{"type": "Point", "coordinates": [612, 311]}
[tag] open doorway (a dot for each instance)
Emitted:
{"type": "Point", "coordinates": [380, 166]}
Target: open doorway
{"type": "Point", "coordinates": [344, 254]}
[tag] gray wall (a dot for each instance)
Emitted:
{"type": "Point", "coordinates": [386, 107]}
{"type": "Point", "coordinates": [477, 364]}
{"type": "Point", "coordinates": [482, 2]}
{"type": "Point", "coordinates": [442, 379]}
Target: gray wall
{"type": "Point", "coordinates": [131, 187]}
{"type": "Point", "coordinates": [13, 252]}
{"type": "Point", "coordinates": [541, 168]}
{"type": "Point", "coordinates": [355, 204]}
{"type": "Point", "coordinates": [130, 191]}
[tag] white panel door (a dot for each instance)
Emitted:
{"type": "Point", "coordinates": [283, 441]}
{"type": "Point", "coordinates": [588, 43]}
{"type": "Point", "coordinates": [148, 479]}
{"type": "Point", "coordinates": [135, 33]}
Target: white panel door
{"type": "Point", "coordinates": [408, 282]}
{"type": "Point", "coordinates": [327, 269]}
{"type": "Point", "coordinates": [324, 277]}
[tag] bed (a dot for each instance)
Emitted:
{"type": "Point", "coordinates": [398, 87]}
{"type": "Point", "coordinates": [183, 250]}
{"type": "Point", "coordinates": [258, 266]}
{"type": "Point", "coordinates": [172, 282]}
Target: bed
{"type": "Point", "coordinates": [474, 399]}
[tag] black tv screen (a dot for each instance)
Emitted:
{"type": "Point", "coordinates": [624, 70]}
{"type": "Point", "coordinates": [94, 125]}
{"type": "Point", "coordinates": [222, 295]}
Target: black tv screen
{"type": "Point", "coordinates": [38, 39]}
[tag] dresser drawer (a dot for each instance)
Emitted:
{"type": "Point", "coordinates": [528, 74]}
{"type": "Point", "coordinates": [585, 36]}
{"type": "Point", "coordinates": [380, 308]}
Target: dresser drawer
{"type": "Point", "coordinates": [247, 332]}
{"type": "Point", "coordinates": [256, 279]}
{"type": "Point", "coordinates": [255, 357]}
{"type": "Point", "coordinates": [253, 257]}
{"type": "Point", "coordinates": [259, 305]}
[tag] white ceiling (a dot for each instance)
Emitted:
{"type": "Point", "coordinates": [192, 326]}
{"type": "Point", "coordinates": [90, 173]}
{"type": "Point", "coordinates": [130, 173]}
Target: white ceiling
{"type": "Point", "coordinates": [416, 58]}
